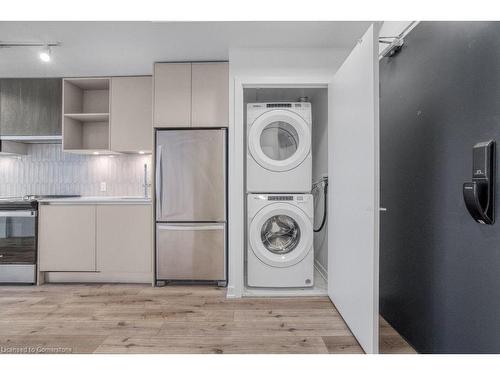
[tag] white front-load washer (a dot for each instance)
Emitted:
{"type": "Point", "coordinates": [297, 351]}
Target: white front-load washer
{"type": "Point", "coordinates": [279, 147]}
{"type": "Point", "coordinates": [280, 240]}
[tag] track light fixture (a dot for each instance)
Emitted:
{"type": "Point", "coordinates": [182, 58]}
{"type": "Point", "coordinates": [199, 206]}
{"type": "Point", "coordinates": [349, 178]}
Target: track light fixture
{"type": "Point", "coordinates": [45, 54]}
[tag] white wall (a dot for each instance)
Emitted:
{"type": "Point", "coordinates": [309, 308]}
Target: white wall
{"type": "Point", "coordinates": [285, 61]}
{"type": "Point", "coordinates": [316, 64]}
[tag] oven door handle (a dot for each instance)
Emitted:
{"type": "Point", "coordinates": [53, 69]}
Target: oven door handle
{"type": "Point", "coordinates": [19, 213]}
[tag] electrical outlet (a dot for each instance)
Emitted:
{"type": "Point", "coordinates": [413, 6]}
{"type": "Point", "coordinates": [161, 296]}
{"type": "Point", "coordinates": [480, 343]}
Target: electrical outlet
{"type": "Point", "coordinates": [103, 186]}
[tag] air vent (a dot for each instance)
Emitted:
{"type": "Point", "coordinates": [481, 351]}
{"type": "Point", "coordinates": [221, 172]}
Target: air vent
{"type": "Point", "coordinates": [279, 105]}
{"type": "Point", "coordinates": [280, 198]}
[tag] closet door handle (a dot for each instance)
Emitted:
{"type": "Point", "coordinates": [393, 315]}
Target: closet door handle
{"type": "Point", "coordinates": [479, 194]}
{"type": "Point", "coordinates": [476, 197]}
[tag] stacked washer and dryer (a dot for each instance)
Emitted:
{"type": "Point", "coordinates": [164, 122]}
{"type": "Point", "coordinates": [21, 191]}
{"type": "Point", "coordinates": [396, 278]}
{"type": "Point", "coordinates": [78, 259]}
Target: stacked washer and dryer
{"type": "Point", "coordinates": [280, 206]}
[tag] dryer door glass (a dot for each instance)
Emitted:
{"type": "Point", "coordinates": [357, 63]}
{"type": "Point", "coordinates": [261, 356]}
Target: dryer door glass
{"type": "Point", "coordinates": [279, 140]}
{"type": "Point", "coordinates": [280, 234]}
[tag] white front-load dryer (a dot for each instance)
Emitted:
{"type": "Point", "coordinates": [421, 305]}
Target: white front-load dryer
{"type": "Point", "coordinates": [279, 147]}
{"type": "Point", "coordinates": [280, 240]}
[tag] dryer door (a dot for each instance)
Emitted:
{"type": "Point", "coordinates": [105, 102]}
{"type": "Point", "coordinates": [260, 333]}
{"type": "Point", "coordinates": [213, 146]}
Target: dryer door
{"type": "Point", "coordinates": [279, 140]}
{"type": "Point", "coordinates": [281, 235]}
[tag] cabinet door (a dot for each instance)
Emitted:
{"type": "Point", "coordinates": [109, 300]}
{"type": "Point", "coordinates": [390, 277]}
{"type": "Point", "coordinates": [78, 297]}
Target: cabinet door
{"type": "Point", "coordinates": [172, 95]}
{"type": "Point", "coordinates": [30, 106]}
{"type": "Point", "coordinates": [210, 94]}
{"type": "Point", "coordinates": [66, 236]}
{"type": "Point", "coordinates": [124, 238]}
{"type": "Point", "coordinates": [131, 107]}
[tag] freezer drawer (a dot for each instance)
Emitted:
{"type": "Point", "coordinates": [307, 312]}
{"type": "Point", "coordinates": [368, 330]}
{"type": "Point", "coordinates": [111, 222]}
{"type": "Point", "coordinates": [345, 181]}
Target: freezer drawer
{"type": "Point", "coordinates": [191, 251]}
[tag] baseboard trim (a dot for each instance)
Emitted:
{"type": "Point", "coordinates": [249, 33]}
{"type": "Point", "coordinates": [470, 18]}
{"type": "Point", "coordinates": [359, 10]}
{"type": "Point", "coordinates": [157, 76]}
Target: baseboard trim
{"type": "Point", "coordinates": [231, 292]}
{"type": "Point", "coordinates": [98, 277]}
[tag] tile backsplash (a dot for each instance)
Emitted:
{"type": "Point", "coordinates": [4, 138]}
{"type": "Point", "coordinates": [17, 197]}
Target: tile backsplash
{"type": "Point", "coordinates": [48, 170]}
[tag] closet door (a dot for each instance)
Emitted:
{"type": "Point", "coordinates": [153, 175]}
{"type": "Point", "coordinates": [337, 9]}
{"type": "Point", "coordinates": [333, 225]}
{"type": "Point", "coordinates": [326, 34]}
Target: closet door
{"type": "Point", "coordinates": [353, 219]}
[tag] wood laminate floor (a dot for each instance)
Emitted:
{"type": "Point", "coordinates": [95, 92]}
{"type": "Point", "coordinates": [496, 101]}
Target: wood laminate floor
{"type": "Point", "coordinates": [118, 318]}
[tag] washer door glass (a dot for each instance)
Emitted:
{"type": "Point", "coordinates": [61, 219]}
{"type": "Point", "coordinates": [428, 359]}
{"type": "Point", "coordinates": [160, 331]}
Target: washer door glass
{"type": "Point", "coordinates": [279, 140]}
{"type": "Point", "coordinates": [280, 234]}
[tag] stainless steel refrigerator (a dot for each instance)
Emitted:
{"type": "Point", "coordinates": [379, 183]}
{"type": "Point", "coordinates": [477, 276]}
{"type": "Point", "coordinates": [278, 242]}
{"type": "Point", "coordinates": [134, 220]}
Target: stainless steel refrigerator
{"type": "Point", "coordinates": [191, 205]}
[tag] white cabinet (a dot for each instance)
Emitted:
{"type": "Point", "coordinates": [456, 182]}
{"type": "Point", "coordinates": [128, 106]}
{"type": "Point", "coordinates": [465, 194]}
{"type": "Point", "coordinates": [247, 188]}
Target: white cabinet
{"type": "Point", "coordinates": [191, 95]}
{"type": "Point", "coordinates": [96, 242]}
{"type": "Point", "coordinates": [131, 111]}
{"type": "Point", "coordinates": [67, 238]}
{"type": "Point", "coordinates": [172, 95]}
{"type": "Point", "coordinates": [124, 238]}
{"type": "Point", "coordinates": [210, 94]}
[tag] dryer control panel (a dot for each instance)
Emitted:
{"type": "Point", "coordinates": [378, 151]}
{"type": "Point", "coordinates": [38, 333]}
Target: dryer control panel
{"type": "Point", "coordinates": [289, 198]}
{"type": "Point", "coordinates": [280, 198]}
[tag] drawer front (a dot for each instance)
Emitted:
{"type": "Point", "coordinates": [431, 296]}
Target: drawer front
{"type": "Point", "coordinates": [190, 251]}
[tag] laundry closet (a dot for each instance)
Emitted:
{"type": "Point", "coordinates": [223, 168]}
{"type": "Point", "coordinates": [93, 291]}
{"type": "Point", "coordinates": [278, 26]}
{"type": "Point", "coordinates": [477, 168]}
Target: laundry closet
{"type": "Point", "coordinates": [291, 132]}
{"type": "Point", "coordinates": [286, 132]}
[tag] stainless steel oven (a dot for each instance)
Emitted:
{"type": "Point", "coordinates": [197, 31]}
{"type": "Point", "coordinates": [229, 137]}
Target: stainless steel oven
{"type": "Point", "coordinates": [18, 242]}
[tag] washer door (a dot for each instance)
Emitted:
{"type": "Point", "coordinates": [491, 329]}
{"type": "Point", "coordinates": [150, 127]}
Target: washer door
{"type": "Point", "coordinates": [279, 140]}
{"type": "Point", "coordinates": [281, 235]}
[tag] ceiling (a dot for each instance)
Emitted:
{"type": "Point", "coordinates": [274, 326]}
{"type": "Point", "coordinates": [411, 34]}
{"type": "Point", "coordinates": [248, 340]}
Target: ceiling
{"type": "Point", "coordinates": [127, 48]}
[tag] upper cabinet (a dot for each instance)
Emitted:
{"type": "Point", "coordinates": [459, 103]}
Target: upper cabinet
{"type": "Point", "coordinates": [30, 106]}
{"type": "Point", "coordinates": [172, 95]}
{"type": "Point", "coordinates": [131, 112]}
{"type": "Point", "coordinates": [210, 94]}
{"type": "Point", "coordinates": [107, 114]}
{"type": "Point", "coordinates": [191, 95]}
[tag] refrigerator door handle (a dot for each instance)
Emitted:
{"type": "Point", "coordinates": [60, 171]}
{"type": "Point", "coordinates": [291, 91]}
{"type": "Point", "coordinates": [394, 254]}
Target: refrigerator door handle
{"type": "Point", "coordinates": [224, 161]}
{"type": "Point", "coordinates": [159, 181]}
{"type": "Point", "coordinates": [190, 227]}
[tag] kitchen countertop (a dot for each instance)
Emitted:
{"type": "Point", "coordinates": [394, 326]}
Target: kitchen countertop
{"type": "Point", "coordinates": [97, 200]}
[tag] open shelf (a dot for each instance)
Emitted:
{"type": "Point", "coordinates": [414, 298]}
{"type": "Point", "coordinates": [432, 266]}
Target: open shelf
{"type": "Point", "coordinates": [86, 108]}
{"type": "Point", "coordinates": [88, 117]}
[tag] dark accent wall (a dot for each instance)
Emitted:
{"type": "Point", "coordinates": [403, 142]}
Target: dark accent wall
{"type": "Point", "coordinates": [439, 270]}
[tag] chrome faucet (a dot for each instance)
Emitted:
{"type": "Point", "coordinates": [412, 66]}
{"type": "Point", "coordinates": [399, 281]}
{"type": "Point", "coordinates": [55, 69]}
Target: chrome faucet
{"type": "Point", "coordinates": [145, 184]}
